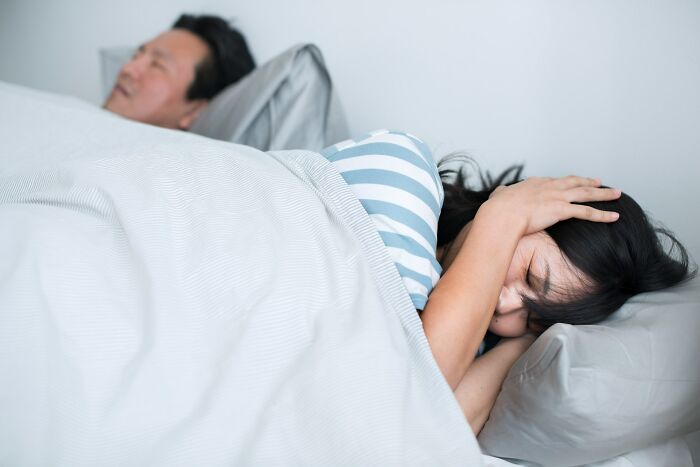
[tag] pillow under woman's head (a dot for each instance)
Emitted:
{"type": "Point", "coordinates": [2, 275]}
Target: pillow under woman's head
{"type": "Point", "coordinates": [583, 394]}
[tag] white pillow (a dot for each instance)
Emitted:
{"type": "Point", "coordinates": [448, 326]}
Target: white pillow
{"type": "Point", "coordinates": [583, 394]}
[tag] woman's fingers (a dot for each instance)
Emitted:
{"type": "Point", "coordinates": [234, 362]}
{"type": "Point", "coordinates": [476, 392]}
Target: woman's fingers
{"type": "Point", "coordinates": [588, 213]}
{"type": "Point", "coordinates": [587, 190]}
{"type": "Point", "coordinates": [541, 202]}
{"type": "Point", "coordinates": [584, 194]}
{"type": "Point", "coordinates": [573, 181]}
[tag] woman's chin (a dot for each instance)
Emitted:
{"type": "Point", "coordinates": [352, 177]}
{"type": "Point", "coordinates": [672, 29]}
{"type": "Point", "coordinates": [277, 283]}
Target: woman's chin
{"type": "Point", "coordinates": [506, 332]}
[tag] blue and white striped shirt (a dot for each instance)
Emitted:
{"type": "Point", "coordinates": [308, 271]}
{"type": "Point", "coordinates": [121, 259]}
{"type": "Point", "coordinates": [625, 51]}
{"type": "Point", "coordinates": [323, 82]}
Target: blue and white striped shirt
{"type": "Point", "coordinates": [394, 176]}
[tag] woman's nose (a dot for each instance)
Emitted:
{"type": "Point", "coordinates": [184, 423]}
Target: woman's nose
{"type": "Point", "coordinates": [509, 300]}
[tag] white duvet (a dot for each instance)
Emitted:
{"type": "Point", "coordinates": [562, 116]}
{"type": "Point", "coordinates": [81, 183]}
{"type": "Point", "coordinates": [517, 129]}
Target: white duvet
{"type": "Point", "coordinates": [166, 299]}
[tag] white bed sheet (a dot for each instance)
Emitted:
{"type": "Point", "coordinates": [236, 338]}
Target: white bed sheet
{"type": "Point", "coordinates": [166, 299]}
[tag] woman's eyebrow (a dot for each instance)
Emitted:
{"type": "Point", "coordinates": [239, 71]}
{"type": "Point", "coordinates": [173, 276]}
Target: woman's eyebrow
{"type": "Point", "coordinates": [545, 282]}
{"type": "Point", "coordinates": [542, 283]}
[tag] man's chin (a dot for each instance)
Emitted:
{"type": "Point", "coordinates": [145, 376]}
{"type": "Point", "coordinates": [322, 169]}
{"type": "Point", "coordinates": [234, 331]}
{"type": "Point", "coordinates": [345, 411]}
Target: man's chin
{"type": "Point", "coordinates": [118, 104]}
{"type": "Point", "coordinates": [112, 103]}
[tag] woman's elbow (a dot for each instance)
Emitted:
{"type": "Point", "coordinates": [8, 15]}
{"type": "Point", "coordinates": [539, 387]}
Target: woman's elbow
{"type": "Point", "coordinates": [476, 418]}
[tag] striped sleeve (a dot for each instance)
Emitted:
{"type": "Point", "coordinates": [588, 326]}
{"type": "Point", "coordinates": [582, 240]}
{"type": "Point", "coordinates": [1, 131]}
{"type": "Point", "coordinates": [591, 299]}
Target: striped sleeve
{"type": "Point", "coordinates": [394, 176]}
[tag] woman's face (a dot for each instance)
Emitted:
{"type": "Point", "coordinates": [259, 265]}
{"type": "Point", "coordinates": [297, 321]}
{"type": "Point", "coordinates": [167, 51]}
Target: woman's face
{"type": "Point", "coordinates": [538, 268]}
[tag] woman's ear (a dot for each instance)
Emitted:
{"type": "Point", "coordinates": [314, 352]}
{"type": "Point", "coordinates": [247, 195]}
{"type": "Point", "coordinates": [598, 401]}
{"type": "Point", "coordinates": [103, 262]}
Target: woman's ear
{"type": "Point", "coordinates": [195, 107]}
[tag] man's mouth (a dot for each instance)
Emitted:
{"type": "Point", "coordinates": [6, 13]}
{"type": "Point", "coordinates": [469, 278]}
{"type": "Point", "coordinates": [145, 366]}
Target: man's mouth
{"type": "Point", "coordinates": [121, 89]}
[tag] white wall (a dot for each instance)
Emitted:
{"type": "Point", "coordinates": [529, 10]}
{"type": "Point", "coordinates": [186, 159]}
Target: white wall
{"type": "Point", "coordinates": [609, 88]}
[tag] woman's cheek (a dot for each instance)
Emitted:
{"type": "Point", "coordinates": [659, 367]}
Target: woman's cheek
{"type": "Point", "coordinates": [509, 326]}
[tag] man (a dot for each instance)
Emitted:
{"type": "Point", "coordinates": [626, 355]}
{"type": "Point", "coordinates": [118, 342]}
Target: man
{"type": "Point", "coordinates": [171, 78]}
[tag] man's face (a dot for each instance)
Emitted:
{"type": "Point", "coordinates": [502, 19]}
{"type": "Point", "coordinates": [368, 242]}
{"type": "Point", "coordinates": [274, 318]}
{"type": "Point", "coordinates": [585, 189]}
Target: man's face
{"type": "Point", "coordinates": [152, 86]}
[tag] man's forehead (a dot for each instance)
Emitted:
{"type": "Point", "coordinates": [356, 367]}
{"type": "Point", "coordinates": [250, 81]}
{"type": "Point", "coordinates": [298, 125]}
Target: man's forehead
{"type": "Point", "coordinates": [178, 44]}
{"type": "Point", "coordinates": [157, 50]}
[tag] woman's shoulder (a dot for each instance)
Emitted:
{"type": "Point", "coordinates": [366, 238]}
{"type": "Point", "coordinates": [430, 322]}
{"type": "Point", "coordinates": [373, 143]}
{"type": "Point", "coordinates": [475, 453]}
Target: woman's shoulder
{"type": "Point", "coordinates": [382, 142]}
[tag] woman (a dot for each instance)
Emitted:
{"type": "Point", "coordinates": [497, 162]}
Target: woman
{"type": "Point", "coordinates": [511, 258]}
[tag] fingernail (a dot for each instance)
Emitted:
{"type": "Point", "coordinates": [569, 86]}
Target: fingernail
{"type": "Point", "coordinates": [615, 215]}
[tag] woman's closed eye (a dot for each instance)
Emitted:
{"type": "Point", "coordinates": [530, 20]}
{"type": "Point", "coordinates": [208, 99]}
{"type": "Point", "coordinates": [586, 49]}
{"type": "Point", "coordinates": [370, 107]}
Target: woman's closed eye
{"type": "Point", "coordinates": [539, 285]}
{"type": "Point", "coordinates": [532, 281]}
{"type": "Point", "coordinates": [528, 275]}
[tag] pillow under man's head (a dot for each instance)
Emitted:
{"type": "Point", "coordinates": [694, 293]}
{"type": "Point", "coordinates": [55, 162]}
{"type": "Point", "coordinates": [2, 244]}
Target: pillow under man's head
{"type": "Point", "coordinates": [172, 77]}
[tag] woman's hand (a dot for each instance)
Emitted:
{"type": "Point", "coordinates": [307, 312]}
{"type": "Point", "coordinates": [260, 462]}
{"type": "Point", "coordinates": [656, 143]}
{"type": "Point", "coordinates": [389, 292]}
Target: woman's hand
{"type": "Point", "coordinates": [537, 203]}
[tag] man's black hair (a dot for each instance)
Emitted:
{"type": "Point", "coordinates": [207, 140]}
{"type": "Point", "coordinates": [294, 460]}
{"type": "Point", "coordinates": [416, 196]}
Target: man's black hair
{"type": "Point", "coordinates": [229, 58]}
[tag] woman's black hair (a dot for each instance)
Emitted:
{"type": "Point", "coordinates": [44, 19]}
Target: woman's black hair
{"type": "Point", "coordinates": [229, 58]}
{"type": "Point", "coordinates": [619, 259]}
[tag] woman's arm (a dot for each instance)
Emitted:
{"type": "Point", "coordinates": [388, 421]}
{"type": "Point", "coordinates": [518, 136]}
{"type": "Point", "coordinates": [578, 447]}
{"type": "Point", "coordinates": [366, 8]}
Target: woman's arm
{"type": "Point", "coordinates": [477, 391]}
{"type": "Point", "coordinates": [460, 307]}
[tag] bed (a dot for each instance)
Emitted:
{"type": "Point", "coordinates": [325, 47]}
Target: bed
{"type": "Point", "coordinates": [171, 299]}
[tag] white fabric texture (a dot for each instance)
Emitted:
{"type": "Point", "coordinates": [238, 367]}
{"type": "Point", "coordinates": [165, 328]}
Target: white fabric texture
{"type": "Point", "coordinates": [170, 300]}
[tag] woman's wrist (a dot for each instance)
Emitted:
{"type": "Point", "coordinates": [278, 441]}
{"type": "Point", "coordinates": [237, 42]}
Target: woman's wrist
{"type": "Point", "coordinates": [502, 216]}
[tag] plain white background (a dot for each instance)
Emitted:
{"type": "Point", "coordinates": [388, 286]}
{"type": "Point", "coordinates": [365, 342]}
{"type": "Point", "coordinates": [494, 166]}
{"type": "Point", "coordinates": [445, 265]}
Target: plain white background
{"type": "Point", "coordinates": [607, 88]}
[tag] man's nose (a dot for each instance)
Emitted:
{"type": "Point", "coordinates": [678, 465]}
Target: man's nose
{"type": "Point", "coordinates": [134, 67]}
{"type": "Point", "coordinates": [508, 300]}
